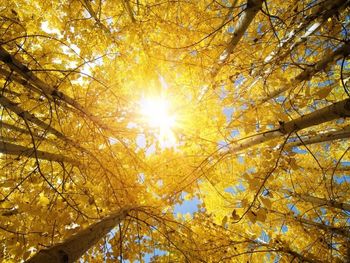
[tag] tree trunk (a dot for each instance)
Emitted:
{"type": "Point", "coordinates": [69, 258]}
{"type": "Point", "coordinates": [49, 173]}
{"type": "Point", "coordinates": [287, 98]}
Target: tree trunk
{"type": "Point", "coordinates": [14, 149]}
{"type": "Point", "coordinates": [334, 111]}
{"type": "Point", "coordinates": [24, 72]}
{"type": "Point", "coordinates": [331, 112]}
{"type": "Point", "coordinates": [14, 77]}
{"type": "Point", "coordinates": [341, 231]}
{"type": "Point", "coordinates": [29, 117]}
{"type": "Point", "coordinates": [4, 125]}
{"type": "Point", "coordinates": [322, 137]}
{"type": "Point", "coordinates": [93, 14]}
{"type": "Point", "coordinates": [325, 10]}
{"type": "Point", "coordinates": [75, 246]}
{"type": "Point", "coordinates": [319, 201]}
{"type": "Point", "coordinates": [342, 51]}
{"type": "Point", "coordinates": [247, 16]}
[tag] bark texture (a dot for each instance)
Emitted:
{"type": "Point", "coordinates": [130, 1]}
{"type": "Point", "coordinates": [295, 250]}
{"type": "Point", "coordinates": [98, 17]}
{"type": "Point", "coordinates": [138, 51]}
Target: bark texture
{"type": "Point", "coordinates": [319, 201]}
{"type": "Point", "coordinates": [29, 77]}
{"type": "Point", "coordinates": [18, 150]}
{"type": "Point", "coordinates": [75, 246]}
{"type": "Point", "coordinates": [253, 6]}
{"type": "Point", "coordinates": [331, 112]}
{"type": "Point", "coordinates": [322, 137]}
{"type": "Point", "coordinates": [309, 72]}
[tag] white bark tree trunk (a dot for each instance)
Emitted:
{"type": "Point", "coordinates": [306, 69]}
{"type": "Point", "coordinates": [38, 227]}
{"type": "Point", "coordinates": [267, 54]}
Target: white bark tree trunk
{"type": "Point", "coordinates": [331, 112]}
{"type": "Point", "coordinates": [253, 6]}
{"type": "Point", "coordinates": [15, 65]}
{"type": "Point", "coordinates": [93, 14]}
{"type": "Point", "coordinates": [18, 150]}
{"type": "Point", "coordinates": [322, 137]}
{"type": "Point", "coordinates": [325, 10]}
{"type": "Point", "coordinates": [75, 246]}
{"type": "Point", "coordinates": [31, 118]}
{"type": "Point", "coordinates": [6, 103]}
{"type": "Point", "coordinates": [319, 201]}
{"type": "Point", "coordinates": [342, 51]}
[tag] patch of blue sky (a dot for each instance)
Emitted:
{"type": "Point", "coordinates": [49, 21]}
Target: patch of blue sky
{"type": "Point", "coordinates": [292, 139]}
{"type": "Point", "coordinates": [327, 146]}
{"type": "Point", "coordinates": [187, 206]}
{"type": "Point", "coordinates": [325, 83]}
{"type": "Point", "coordinates": [156, 252]}
{"type": "Point", "coordinates": [194, 53]}
{"type": "Point", "coordinates": [239, 80]}
{"type": "Point", "coordinates": [230, 29]}
{"type": "Point", "coordinates": [141, 140]}
{"type": "Point", "coordinates": [309, 51]}
{"type": "Point", "coordinates": [240, 187]}
{"type": "Point", "coordinates": [259, 29]}
{"type": "Point", "coordinates": [277, 258]}
{"type": "Point", "coordinates": [342, 179]}
{"type": "Point", "coordinates": [234, 133]}
{"type": "Point", "coordinates": [345, 163]}
{"type": "Point", "coordinates": [223, 146]}
{"type": "Point", "coordinates": [243, 107]}
{"type": "Point", "coordinates": [251, 170]}
{"type": "Point", "coordinates": [150, 150]}
{"type": "Point", "coordinates": [284, 229]}
{"type": "Point", "coordinates": [285, 66]}
{"type": "Point", "coordinates": [270, 126]}
{"type": "Point", "coordinates": [235, 189]}
{"type": "Point", "coordinates": [223, 92]}
{"type": "Point", "coordinates": [240, 159]}
{"type": "Point", "coordinates": [112, 140]}
{"type": "Point", "coordinates": [264, 237]}
{"type": "Point", "coordinates": [228, 111]}
{"type": "Point", "coordinates": [230, 190]}
{"type": "Point", "coordinates": [294, 209]}
{"type": "Point", "coordinates": [280, 99]}
{"type": "Point", "coordinates": [340, 121]}
{"type": "Point", "coordinates": [160, 183]}
{"type": "Point", "coordinates": [141, 178]}
{"type": "Point", "coordinates": [299, 150]}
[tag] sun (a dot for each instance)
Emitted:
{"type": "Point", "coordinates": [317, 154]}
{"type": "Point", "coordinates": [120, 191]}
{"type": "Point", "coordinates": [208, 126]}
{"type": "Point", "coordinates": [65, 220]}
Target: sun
{"type": "Point", "coordinates": [156, 112]}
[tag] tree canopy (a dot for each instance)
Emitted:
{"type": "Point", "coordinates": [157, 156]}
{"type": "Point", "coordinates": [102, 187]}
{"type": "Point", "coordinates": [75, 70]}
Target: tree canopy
{"type": "Point", "coordinates": [174, 131]}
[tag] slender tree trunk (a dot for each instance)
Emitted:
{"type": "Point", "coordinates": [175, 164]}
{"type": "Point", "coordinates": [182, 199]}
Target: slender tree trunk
{"type": "Point", "coordinates": [75, 246]}
{"type": "Point", "coordinates": [253, 6]}
{"type": "Point", "coordinates": [127, 6]}
{"type": "Point", "coordinates": [93, 14]}
{"type": "Point", "coordinates": [287, 250]}
{"type": "Point", "coordinates": [4, 125]}
{"type": "Point", "coordinates": [322, 137]}
{"type": "Point", "coordinates": [14, 77]}
{"type": "Point", "coordinates": [325, 10]}
{"type": "Point", "coordinates": [29, 117]}
{"type": "Point", "coordinates": [341, 231]}
{"type": "Point", "coordinates": [7, 139]}
{"type": "Point", "coordinates": [319, 201]}
{"type": "Point", "coordinates": [331, 112]}
{"type": "Point", "coordinates": [29, 76]}
{"type": "Point", "coordinates": [309, 72]}
{"type": "Point", "coordinates": [18, 150]}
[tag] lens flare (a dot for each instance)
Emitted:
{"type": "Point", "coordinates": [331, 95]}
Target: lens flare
{"type": "Point", "coordinates": [156, 113]}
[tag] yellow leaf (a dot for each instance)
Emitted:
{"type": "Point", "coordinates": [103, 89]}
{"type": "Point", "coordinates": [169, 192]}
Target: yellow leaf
{"type": "Point", "coordinates": [43, 200]}
{"type": "Point", "coordinates": [323, 93]}
{"type": "Point", "coordinates": [234, 215]}
{"type": "Point", "coordinates": [266, 201]}
{"type": "Point", "coordinates": [252, 216]}
{"type": "Point", "coordinates": [261, 215]}
{"type": "Point", "coordinates": [224, 221]}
